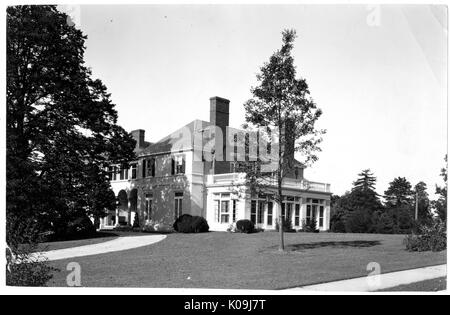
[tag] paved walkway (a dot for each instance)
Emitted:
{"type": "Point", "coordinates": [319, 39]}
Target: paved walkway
{"type": "Point", "coordinates": [381, 282]}
{"type": "Point", "coordinates": [118, 244]}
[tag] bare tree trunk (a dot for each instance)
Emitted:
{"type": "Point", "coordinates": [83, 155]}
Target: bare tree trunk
{"type": "Point", "coordinates": [280, 188]}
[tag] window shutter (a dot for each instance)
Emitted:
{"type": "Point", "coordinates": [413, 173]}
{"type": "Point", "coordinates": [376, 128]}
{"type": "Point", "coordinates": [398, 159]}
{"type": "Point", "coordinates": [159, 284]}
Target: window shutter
{"type": "Point", "coordinates": [153, 167]}
{"type": "Point", "coordinates": [173, 166]}
{"type": "Point", "coordinates": [183, 165]}
{"type": "Point", "coordinates": [144, 162]}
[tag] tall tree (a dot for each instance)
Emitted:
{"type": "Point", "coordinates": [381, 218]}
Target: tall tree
{"type": "Point", "coordinates": [440, 205]}
{"type": "Point", "coordinates": [423, 202]}
{"type": "Point", "coordinates": [62, 127]}
{"type": "Point", "coordinates": [365, 182]}
{"type": "Point", "coordinates": [282, 102]}
{"type": "Point", "coordinates": [361, 203]}
{"type": "Point", "coordinates": [363, 194]}
{"type": "Point", "coordinates": [399, 192]}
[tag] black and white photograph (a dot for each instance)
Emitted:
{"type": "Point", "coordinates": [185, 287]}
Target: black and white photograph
{"type": "Point", "coordinates": [213, 148]}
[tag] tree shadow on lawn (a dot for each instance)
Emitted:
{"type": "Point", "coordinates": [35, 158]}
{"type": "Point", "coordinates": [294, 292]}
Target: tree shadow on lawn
{"type": "Point", "coordinates": [342, 244]}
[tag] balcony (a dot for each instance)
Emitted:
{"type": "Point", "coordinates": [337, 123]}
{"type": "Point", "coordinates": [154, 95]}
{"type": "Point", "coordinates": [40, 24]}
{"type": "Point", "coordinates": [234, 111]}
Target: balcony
{"type": "Point", "coordinates": [239, 178]}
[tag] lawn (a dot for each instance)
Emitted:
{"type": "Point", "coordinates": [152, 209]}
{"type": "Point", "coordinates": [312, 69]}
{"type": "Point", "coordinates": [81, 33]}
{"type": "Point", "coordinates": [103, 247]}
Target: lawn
{"type": "Point", "coordinates": [100, 237]}
{"type": "Point", "coordinates": [241, 261]}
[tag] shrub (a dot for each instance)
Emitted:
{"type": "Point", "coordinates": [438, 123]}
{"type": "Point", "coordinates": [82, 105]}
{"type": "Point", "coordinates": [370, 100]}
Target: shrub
{"type": "Point", "coordinates": [232, 228]}
{"type": "Point", "coordinates": [29, 271]}
{"type": "Point", "coordinates": [309, 226]}
{"type": "Point", "coordinates": [123, 228]}
{"type": "Point", "coordinates": [245, 226]}
{"type": "Point", "coordinates": [78, 228]}
{"type": "Point", "coordinates": [136, 223]}
{"type": "Point", "coordinates": [187, 223]}
{"type": "Point", "coordinates": [338, 226]}
{"type": "Point", "coordinates": [431, 238]}
{"type": "Point", "coordinates": [199, 225]}
{"type": "Point", "coordinates": [287, 225]}
{"type": "Point", "coordinates": [358, 221]}
{"type": "Point", "coordinates": [155, 226]}
{"type": "Point", "coordinates": [24, 268]}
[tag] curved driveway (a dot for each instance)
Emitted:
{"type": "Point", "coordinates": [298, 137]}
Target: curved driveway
{"type": "Point", "coordinates": [115, 245]}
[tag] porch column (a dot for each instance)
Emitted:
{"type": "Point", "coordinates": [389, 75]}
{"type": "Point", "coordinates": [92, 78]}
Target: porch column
{"type": "Point", "coordinates": [117, 216]}
{"type": "Point", "coordinates": [129, 212]}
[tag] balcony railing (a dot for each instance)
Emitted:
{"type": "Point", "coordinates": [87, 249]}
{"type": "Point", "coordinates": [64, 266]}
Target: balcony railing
{"type": "Point", "coordinates": [239, 178]}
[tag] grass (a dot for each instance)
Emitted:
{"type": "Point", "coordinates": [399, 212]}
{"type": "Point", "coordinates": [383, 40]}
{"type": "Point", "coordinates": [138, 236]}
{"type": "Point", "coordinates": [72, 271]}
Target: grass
{"type": "Point", "coordinates": [247, 261]}
{"type": "Point", "coordinates": [434, 285]}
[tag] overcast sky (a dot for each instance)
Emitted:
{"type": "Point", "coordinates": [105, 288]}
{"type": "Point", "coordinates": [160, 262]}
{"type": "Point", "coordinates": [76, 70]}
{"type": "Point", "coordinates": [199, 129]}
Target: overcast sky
{"type": "Point", "coordinates": [379, 75]}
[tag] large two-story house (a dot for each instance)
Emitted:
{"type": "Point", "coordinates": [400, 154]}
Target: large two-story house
{"type": "Point", "coordinates": [172, 177]}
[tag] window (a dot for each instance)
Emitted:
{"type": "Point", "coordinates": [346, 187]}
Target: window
{"type": "Point", "coordinates": [151, 163]}
{"type": "Point", "coordinates": [133, 171]}
{"type": "Point", "coordinates": [111, 173]}
{"type": "Point", "coordinates": [148, 207]}
{"type": "Point", "coordinates": [222, 202]}
{"type": "Point", "coordinates": [178, 165]}
{"type": "Point", "coordinates": [178, 205]}
{"type": "Point", "coordinates": [315, 209]}
{"type": "Point", "coordinates": [148, 167]}
{"type": "Point", "coordinates": [270, 213]}
{"type": "Point", "coordinates": [217, 210]}
{"type": "Point", "coordinates": [297, 215]}
{"type": "Point", "coordinates": [308, 214]}
{"type": "Point", "coordinates": [257, 210]}
{"type": "Point", "coordinates": [321, 215]}
{"type": "Point", "coordinates": [225, 211]}
{"type": "Point", "coordinates": [114, 173]}
{"type": "Point", "coordinates": [123, 172]}
{"type": "Point", "coordinates": [253, 212]}
{"type": "Point", "coordinates": [289, 211]}
{"type": "Point", "coordinates": [260, 212]}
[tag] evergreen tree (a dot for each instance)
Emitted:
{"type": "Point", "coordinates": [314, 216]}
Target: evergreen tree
{"type": "Point", "coordinates": [365, 182]}
{"type": "Point", "coordinates": [399, 193]}
{"type": "Point", "coordinates": [363, 194]}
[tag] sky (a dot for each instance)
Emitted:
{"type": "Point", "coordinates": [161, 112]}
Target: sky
{"type": "Point", "coordinates": [378, 73]}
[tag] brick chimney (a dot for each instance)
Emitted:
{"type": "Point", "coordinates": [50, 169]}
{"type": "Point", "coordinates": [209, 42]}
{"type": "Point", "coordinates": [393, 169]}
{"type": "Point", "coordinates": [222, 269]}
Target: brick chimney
{"type": "Point", "coordinates": [139, 136]}
{"type": "Point", "coordinates": [219, 112]}
{"type": "Point", "coordinates": [220, 117]}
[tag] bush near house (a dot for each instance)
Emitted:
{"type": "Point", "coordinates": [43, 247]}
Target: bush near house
{"type": "Point", "coordinates": [191, 224]}
{"type": "Point", "coordinates": [430, 238]}
{"type": "Point", "coordinates": [287, 226]}
{"type": "Point", "coordinates": [78, 228]}
{"type": "Point", "coordinates": [136, 223]}
{"type": "Point", "coordinates": [309, 226]}
{"type": "Point", "coordinates": [245, 226]}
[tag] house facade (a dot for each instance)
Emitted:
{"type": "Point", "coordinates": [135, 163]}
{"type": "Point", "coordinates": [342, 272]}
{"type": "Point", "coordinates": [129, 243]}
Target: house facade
{"type": "Point", "coordinates": [186, 173]}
